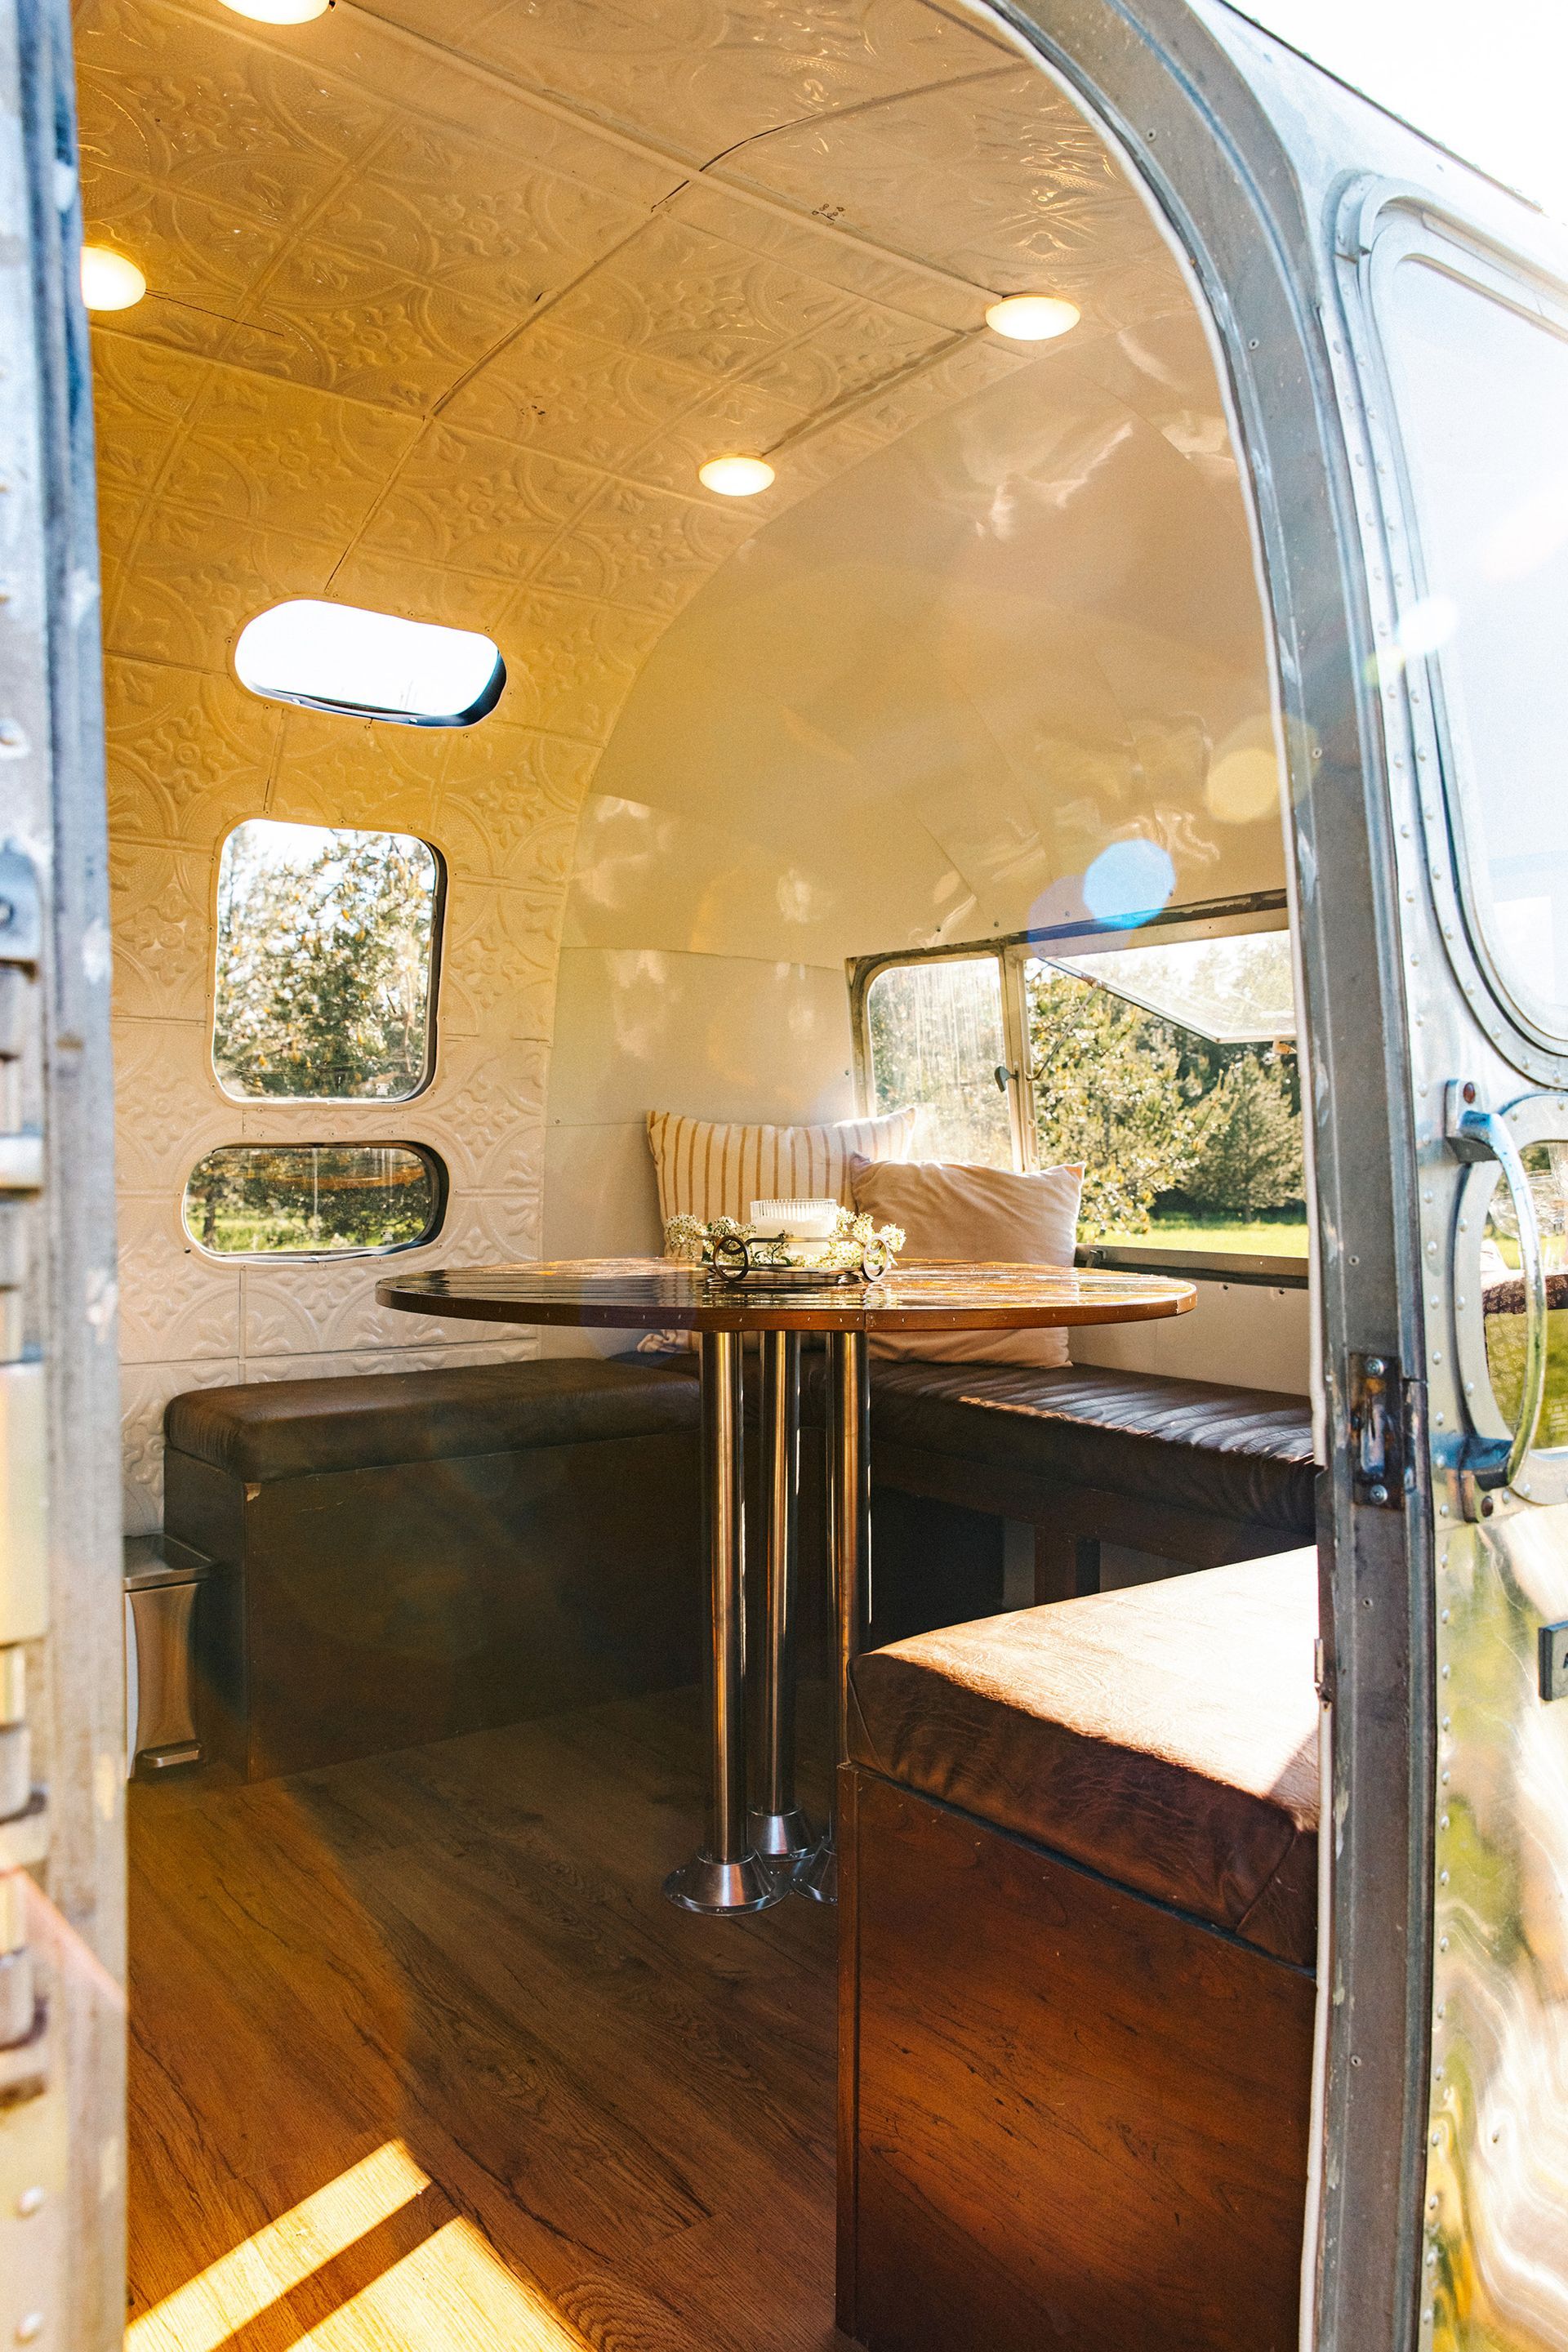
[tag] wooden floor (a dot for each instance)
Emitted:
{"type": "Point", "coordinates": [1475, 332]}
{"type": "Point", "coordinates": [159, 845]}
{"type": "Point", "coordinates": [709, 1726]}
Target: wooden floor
{"type": "Point", "coordinates": [421, 2058]}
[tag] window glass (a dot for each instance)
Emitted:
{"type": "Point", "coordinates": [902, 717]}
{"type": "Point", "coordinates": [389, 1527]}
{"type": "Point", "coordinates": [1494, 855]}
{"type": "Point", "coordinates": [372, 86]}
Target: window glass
{"type": "Point", "coordinates": [300, 1200]}
{"type": "Point", "coordinates": [369, 665]}
{"type": "Point", "coordinates": [1188, 1142]}
{"type": "Point", "coordinates": [1483, 396]}
{"type": "Point", "coordinates": [1502, 1291]}
{"type": "Point", "coordinates": [936, 1043]}
{"type": "Point", "coordinates": [325, 944]}
{"type": "Point", "coordinates": [1235, 990]}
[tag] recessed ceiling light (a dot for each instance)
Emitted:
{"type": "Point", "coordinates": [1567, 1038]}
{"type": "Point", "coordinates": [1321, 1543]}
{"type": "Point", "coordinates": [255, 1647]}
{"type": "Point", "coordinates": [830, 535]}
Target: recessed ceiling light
{"type": "Point", "coordinates": [735, 477]}
{"type": "Point", "coordinates": [1031, 318]}
{"type": "Point", "coordinates": [110, 282]}
{"type": "Point", "coordinates": [279, 12]}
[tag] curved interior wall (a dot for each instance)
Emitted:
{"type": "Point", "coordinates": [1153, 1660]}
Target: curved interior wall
{"type": "Point", "coordinates": [445, 308]}
{"type": "Point", "coordinates": [910, 713]}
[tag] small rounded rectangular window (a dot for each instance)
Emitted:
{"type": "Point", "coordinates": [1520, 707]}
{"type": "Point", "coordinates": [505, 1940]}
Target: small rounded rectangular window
{"type": "Point", "coordinates": [314, 1199]}
{"type": "Point", "coordinates": [326, 957]}
{"type": "Point", "coordinates": [370, 665]}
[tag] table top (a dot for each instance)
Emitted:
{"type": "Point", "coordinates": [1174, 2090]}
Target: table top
{"type": "Point", "coordinates": [671, 1294]}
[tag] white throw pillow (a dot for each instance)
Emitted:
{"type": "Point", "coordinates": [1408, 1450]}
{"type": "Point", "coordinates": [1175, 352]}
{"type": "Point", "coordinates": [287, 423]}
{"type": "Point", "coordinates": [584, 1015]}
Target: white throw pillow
{"type": "Point", "coordinates": [717, 1168]}
{"type": "Point", "coordinates": [950, 1209]}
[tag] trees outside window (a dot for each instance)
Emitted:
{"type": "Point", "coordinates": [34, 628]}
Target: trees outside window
{"type": "Point", "coordinates": [324, 956]}
{"type": "Point", "coordinates": [1175, 1130]}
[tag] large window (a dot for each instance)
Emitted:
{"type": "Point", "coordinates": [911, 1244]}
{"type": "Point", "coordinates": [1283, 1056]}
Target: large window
{"type": "Point", "coordinates": [326, 951]}
{"type": "Point", "coordinates": [1169, 1070]}
{"type": "Point", "coordinates": [311, 1200]}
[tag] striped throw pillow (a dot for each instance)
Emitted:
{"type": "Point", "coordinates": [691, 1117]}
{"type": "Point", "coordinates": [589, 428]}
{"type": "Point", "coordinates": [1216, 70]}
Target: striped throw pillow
{"type": "Point", "coordinates": [717, 1168]}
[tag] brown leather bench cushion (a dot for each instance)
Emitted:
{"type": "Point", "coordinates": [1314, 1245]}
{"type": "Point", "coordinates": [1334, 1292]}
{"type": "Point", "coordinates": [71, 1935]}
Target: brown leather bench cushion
{"type": "Point", "coordinates": [1236, 1454]}
{"type": "Point", "coordinates": [284, 1428]}
{"type": "Point", "coordinates": [1166, 1736]}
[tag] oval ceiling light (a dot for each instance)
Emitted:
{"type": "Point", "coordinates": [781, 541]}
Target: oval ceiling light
{"type": "Point", "coordinates": [279, 12]}
{"type": "Point", "coordinates": [1031, 318]}
{"type": "Point", "coordinates": [735, 477]}
{"type": "Point", "coordinates": [110, 282]}
{"type": "Point", "coordinates": [364, 665]}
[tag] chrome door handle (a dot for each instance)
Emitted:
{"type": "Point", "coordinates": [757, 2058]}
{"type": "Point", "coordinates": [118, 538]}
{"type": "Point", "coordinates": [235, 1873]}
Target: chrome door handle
{"type": "Point", "coordinates": [1474, 1133]}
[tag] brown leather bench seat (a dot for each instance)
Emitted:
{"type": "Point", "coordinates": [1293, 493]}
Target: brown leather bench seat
{"type": "Point", "coordinates": [1234, 1454]}
{"type": "Point", "coordinates": [1193, 1471]}
{"type": "Point", "coordinates": [1080, 1871]}
{"type": "Point", "coordinates": [404, 1556]}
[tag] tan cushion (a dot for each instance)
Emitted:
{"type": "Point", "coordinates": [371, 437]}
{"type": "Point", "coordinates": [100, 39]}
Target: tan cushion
{"type": "Point", "coordinates": [717, 1168]}
{"type": "Point", "coordinates": [1167, 1737]}
{"type": "Point", "coordinates": [949, 1209]}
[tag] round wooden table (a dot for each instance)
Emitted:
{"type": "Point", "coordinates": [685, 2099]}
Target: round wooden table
{"type": "Point", "coordinates": [749, 1861]}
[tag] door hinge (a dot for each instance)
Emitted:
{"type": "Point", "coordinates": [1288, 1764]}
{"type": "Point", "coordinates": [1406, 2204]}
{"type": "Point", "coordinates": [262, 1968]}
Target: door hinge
{"type": "Point", "coordinates": [1387, 1414]}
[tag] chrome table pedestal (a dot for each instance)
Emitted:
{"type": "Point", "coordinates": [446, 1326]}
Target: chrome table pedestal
{"type": "Point", "coordinates": [849, 1549]}
{"type": "Point", "coordinates": [780, 1831]}
{"type": "Point", "coordinates": [726, 1874]}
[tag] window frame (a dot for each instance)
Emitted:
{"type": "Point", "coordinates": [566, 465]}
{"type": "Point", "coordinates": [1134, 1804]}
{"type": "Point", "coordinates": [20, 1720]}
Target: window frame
{"type": "Point", "coordinates": [1213, 918]}
{"type": "Point", "coordinates": [372, 1103]}
{"type": "Point", "coordinates": [435, 1166]}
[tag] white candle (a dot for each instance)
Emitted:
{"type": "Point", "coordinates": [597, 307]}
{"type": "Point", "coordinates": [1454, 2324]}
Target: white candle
{"type": "Point", "coordinates": [804, 1221]}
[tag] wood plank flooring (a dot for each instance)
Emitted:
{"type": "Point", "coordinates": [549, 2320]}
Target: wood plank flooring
{"type": "Point", "coordinates": [421, 2058]}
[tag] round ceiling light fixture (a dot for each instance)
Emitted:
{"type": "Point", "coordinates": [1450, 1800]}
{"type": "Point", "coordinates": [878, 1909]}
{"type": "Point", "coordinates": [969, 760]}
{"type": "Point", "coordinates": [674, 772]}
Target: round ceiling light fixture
{"type": "Point", "coordinates": [735, 477]}
{"type": "Point", "coordinates": [108, 281]}
{"type": "Point", "coordinates": [279, 12]}
{"type": "Point", "coordinates": [1031, 318]}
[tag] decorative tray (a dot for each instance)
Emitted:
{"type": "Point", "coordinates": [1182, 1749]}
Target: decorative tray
{"type": "Point", "coordinates": [788, 1245]}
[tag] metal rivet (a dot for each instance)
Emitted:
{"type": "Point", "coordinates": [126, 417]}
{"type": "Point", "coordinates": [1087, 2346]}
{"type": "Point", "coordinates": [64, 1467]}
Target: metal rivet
{"type": "Point", "coordinates": [29, 2328]}
{"type": "Point", "coordinates": [28, 2202]}
{"type": "Point", "coordinates": [1442, 1943]}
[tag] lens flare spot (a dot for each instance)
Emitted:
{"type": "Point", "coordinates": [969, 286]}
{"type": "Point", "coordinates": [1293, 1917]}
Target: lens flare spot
{"type": "Point", "coordinates": [1424, 626]}
{"type": "Point", "coordinates": [1243, 780]}
{"type": "Point", "coordinates": [1129, 882]}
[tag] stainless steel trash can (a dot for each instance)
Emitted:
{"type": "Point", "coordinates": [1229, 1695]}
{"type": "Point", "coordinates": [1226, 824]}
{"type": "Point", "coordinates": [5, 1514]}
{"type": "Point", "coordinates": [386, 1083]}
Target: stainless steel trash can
{"type": "Point", "coordinates": [162, 1578]}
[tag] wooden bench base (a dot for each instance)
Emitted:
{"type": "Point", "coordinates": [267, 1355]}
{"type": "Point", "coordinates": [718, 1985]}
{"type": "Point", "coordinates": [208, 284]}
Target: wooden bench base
{"type": "Point", "coordinates": [1069, 2115]}
{"type": "Point", "coordinates": [1071, 1521]}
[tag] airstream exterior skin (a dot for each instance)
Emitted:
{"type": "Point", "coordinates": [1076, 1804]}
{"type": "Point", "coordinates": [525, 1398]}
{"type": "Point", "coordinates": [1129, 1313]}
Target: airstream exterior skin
{"type": "Point", "coordinates": [1436, 2215]}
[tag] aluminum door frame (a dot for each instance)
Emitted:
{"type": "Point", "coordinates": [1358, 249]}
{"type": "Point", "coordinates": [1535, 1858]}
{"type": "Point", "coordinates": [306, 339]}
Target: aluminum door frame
{"type": "Point", "coordinates": [62, 2105]}
{"type": "Point", "coordinates": [1246, 149]}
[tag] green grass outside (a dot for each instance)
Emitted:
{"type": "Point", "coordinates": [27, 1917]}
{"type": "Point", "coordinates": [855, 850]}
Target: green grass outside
{"type": "Point", "coordinates": [1264, 1240]}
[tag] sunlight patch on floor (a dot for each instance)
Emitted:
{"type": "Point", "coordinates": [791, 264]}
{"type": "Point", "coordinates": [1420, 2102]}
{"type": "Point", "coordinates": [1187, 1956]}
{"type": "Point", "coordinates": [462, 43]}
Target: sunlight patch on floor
{"type": "Point", "coordinates": [453, 2293]}
{"type": "Point", "coordinates": [236, 2289]}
